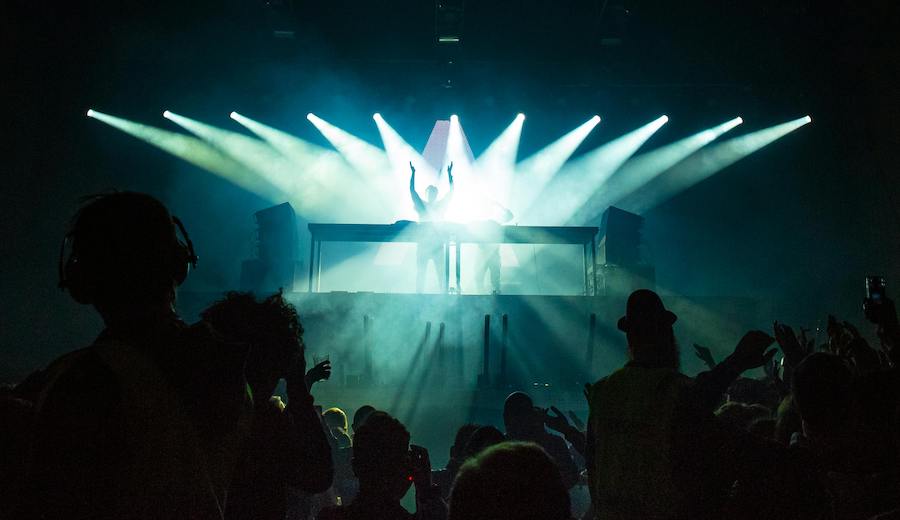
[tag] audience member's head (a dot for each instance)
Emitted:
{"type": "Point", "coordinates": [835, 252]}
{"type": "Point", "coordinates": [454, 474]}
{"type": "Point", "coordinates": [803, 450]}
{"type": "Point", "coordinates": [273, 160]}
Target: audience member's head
{"type": "Point", "coordinates": [763, 428]}
{"type": "Point", "coordinates": [481, 439]}
{"type": "Point", "coordinates": [381, 457]}
{"type": "Point", "coordinates": [740, 415]}
{"type": "Point", "coordinates": [463, 435]}
{"type": "Point", "coordinates": [510, 481]}
{"type": "Point", "coordinates": [125, 257]}
{"type": "Point", "coordinates": [754, 391]}
{"type": "Point", "coordinates": [362, 413]}
{"type": "Point", "coordinates": [272, 330]}
{"type": "Point", "coordinates": [647, 325]}
{"type": "Point", "coordinates": [821, 386]}
{"type": "Point", "coordinates": [335, 418]}
{"type": "Point", "coordinates": [520, 417]}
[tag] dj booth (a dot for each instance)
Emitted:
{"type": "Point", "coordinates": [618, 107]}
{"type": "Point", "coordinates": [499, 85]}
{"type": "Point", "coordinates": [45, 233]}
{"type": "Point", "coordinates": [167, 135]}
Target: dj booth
{"type": "Point", "coordinates": [453, 236]}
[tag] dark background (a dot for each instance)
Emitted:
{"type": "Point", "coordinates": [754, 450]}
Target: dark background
{"type": "Point", "coordinates": [798, 224]}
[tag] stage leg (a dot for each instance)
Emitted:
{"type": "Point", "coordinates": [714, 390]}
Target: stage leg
{"type": "Point", "coordinates": [584, 265]}
{"type": "Point", "coordinates": [312, 260]}
{"type": "Point", "coordinates": [594, 290]}
{"type": "Point", "coordinates": [458, 285]}
{"type": "Point", "coordinates": [319, 267]}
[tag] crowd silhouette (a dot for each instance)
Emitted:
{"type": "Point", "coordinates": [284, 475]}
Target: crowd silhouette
{"type": "Point", "coordinates": [161, 419]}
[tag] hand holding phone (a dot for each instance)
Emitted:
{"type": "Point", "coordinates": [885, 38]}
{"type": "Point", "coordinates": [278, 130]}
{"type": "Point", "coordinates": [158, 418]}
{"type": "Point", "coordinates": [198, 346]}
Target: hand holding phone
{"type": "Point", "coordinates": [419, 466]}
{"type": "Point", "coordinates": [873, 305]}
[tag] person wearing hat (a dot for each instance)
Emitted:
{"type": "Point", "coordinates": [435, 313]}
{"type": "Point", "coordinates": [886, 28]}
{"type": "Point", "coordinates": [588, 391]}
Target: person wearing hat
{"type": "Point", "coordinates": [641, 413]}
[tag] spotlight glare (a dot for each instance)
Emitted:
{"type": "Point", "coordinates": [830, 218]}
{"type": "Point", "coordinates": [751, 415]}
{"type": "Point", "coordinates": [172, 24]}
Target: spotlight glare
{"type": "Point", "coordinates": [454, 118]}
{"type": "Point", "coordinates": [665, 119]}
{"type": "Point", "coordinates": [233, 115]}
{"type": "Point", "coordinates": [167, 114]}
{"type": "Point", "coordinates": [90, 112]}
{"type": "Point", "coordinates": [596, 119]}
{"type": "Point", "coordinates": [520, 116]}
{"type": "Point", "coordinates": [808, 119]}
{"type": "Point", "coordinates": [376, 116]}
{"type": "Point", "coordinates": [310, 116]}
{"type": "Point", "coordinates": [739, 120]}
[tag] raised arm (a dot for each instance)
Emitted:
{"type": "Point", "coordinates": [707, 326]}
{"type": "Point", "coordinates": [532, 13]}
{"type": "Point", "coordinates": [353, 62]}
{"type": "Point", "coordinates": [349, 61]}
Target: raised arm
{"type": "Point", "coordinates": [417, 201]}
{"type": "Point", "coordinates": [450, 177]}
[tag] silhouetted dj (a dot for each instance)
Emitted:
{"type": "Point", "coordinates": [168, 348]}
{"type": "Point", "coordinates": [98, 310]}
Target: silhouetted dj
{"type": "Point", "coordinates": [430, 246]}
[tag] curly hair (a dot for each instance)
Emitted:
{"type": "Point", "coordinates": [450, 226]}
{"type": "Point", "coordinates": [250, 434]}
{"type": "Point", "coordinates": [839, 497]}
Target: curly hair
{"type": "Point", "coordinates": [271, 325]}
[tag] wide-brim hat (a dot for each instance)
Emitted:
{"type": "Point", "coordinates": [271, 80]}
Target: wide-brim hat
{"type": "Point", "coordinates": [645, 306]}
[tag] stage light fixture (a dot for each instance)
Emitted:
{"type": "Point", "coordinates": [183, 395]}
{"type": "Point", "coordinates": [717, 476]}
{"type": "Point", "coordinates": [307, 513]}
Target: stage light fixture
{"type": "Point", "coordinates": [454, 118]}
{"type": "Point", "coordinates": [808, 119]}
{"type": "Point", "coordinates": [233, 115]}
{"type": "Point", "coordinates": [90, 112]}
{"type": "Point", "coordinates": [520, 116]}
{"type": "Point", "coordinates": [167, 114]}
{"type": "Point", "coordinates": [376, 116]}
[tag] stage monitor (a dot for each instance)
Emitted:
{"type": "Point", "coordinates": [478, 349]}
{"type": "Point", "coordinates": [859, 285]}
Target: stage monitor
{"type": "Point", "coordinates": [620, 238]}
{"type": "Point", "coordinates": [277, 243]}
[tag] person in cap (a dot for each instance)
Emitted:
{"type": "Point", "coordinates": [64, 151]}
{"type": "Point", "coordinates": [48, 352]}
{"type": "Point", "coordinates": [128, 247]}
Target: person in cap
{"type": "Point", "coordinates": [644, 419]}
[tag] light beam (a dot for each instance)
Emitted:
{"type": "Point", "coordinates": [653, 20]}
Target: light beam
{"type": "Point", "coordinates": [196, 152]}
{"type": "Point", "coordinates": [642, 169]}
{"type": "Point", "coordinates": [535, 172]}
{"type": "Point", "coordinates": [364, 157]}
{"type": "Point", "coordinates": [572, 187]}
{"type": "Point", "coordinates": [706, 163]}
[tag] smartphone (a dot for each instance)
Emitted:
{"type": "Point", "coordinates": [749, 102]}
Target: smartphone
{"type": "Point", "coordinates": [875, 289]}
{"type": "Point", "coordinates": [416, 457]}
{"type": "Point", "coordinates": [875, 296]}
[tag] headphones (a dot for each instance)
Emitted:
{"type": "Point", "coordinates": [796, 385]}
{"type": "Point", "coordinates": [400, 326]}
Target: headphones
{"type": "Point", "coordinates": [80, 281]}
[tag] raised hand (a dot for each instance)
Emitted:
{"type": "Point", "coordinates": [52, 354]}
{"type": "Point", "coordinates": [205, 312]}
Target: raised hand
{"type": "Point", "coordinates": [419, 466]}
{"type": "Point", "coordinates": [576, 421]}
{"type": "Point", "coordinates": [450, 168]}
{"type": "Point", "coordinates": [705, 355]}
{"type": "Point", "coordinates": [771, 370]}
{"type": "Point", "coordinates": [751, 351]}
{"type": "Point", "coordinates": [320, 372]}
{"type": "Point", "coordinates": [794, 350]}
{"type": "Point", "coordinates": [412, 168]}
{"type": "Point", "coordinates": [557, 422]}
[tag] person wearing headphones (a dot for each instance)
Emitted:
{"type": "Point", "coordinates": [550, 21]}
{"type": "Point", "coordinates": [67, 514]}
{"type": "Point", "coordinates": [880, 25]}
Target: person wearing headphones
{"type": "Point", "coordinates": [148, 420]}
